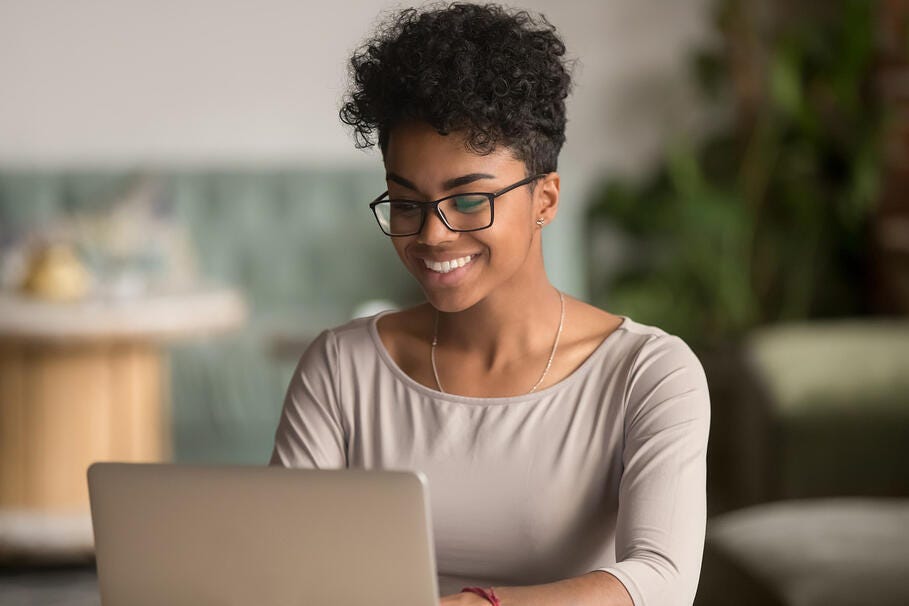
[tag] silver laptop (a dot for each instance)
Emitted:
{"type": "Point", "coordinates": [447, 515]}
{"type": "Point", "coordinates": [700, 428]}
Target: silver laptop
{"type": "Point", "coordinates": [194, 535]}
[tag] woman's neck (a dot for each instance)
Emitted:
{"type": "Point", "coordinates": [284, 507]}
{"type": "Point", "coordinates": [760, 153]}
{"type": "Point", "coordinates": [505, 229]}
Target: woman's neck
{"type": "Point", "coordinates": [505, 325]}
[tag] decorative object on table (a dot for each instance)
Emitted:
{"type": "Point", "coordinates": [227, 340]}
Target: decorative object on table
{"type": "Point", "coordinates": [128, 247]}
{"type": "Point", "coordinates": [55, 273]}
{"type": "Point", "coordinates": [137, 247]}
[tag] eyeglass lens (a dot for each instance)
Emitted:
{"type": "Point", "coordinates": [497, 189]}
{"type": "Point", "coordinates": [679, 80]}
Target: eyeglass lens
{"type": "Point", "coordinates": [463, 213]}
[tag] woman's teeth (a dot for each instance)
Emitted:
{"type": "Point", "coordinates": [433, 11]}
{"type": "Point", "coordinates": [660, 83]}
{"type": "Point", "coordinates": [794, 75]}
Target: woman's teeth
{"type": "Point", "coordinates": [446, 266]}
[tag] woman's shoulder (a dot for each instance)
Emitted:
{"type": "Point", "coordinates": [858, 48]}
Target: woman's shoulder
{"type": "Point", "coordinates": [395, 329]}
{"type": "Point", "coordinates": [353, 336]}
{"type": "Point", "coordinates": [411, 322]}
{"type": "Point", "coordinates": [638, 342]}
{"type": "Point", "coordinates": [587, 323]}
{"type": "Point", "coordinates": [586, 329]}
{"type": "Point", "coordinates": [404, 334]}
{"type": "Point", "coordinates": [598, 324]}
{"type": "Point", "coordinates": [655, 354]}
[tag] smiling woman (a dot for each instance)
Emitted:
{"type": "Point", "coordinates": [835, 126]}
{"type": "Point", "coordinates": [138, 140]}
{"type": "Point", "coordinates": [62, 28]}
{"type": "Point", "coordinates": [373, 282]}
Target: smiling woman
{"type": "Point", "coordinates": [566, 451]}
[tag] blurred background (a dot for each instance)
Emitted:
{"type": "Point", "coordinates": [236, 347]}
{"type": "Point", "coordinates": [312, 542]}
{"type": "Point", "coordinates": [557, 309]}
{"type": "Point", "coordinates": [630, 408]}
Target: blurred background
{"type": "Point", "coordinates": [181, 211]}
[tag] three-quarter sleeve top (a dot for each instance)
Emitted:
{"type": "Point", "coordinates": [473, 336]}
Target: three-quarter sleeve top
{"type": "Point", "coordinates": [604, 470]}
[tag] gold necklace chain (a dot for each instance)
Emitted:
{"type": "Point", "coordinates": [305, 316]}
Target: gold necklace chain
{"type": "Point", "coordinates": [555, 345]}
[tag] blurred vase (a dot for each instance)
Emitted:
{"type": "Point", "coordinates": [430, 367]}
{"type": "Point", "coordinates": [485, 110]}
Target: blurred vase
{"type": "Point", "coordinates": [55, 273]}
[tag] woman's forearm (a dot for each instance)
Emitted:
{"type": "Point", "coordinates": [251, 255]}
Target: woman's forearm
{"type": "Point", "coordinates": [592, 589]}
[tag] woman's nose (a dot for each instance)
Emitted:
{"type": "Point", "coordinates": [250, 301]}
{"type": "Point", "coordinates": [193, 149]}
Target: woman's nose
{"type": "Point", "coordinates": [434, 230]}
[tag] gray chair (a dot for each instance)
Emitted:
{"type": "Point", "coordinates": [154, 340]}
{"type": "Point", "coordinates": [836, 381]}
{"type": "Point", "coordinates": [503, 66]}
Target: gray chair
{"type": "Point", "coordinates": [823, 438]}
{"type": "Point", "coordinates": [812, 552]}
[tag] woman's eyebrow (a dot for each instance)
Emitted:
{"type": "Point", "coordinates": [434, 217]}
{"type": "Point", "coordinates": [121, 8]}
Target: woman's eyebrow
{"type": "Point", "coordinates": [400, 181]}
{"type": "Point", "coordinates": [450, 184]}
{"type": "Point", "coordinates": [464, 180]}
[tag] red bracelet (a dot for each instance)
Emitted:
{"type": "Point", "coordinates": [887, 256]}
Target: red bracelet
{"type": "Point", "coordinates": [489, 594]}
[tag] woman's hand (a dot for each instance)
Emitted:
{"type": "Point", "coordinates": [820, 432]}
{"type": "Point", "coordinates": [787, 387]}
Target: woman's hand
{"type": "Point", "coordinates": [598, 588]}
{"type": "Point", "coordinates": [463, 599]}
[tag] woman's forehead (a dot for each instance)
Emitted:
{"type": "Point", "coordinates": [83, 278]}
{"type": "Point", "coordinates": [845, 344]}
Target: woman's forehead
{"type": "Point", "coordinates": [419, 153]}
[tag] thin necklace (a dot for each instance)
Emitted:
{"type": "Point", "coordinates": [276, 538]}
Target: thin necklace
{"type": "Point", "coordinates": [555, 345]}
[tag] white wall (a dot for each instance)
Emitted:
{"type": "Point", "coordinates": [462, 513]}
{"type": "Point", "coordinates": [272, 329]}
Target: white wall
{"type": "Point", "coordinates": [131, 82]}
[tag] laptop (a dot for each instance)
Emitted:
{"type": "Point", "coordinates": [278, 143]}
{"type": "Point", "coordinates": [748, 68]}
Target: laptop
{"type": "Point", "coordinates": [232, 535]}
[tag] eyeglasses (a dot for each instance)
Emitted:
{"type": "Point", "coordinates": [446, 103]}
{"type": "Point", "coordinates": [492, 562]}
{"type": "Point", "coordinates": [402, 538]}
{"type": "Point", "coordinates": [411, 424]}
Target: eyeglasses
{"type": "Point", "coordinates": [471, 211]}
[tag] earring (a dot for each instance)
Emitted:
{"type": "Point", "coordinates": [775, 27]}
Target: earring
{"type": "Point", "coordinates": [540, 221]}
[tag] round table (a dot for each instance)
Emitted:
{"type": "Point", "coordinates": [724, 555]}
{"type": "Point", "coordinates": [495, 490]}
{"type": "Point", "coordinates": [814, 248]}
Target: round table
{"type": "Point", "coordinates": [84, 382]}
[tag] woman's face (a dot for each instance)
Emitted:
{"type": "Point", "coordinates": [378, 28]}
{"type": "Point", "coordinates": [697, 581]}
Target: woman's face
{"type": "Point", "coordinates": [423, 165]}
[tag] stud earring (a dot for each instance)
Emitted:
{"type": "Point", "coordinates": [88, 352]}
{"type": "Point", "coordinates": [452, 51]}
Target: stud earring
{"type": "Point", "coordinates": [540, 221]}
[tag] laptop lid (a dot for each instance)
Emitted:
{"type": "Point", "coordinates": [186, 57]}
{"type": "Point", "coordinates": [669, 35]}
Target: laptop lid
{"type": "Point", "coordinates": [226, 535]}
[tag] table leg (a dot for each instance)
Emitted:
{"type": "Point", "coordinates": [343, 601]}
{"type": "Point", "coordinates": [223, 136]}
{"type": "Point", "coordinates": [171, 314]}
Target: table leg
{"type": "Point", "coordinates": [63, 407]}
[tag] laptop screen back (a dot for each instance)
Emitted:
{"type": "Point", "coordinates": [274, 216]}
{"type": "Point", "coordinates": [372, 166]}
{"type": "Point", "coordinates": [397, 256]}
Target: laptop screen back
{"type": "Point", "coordinates": [270, 536]}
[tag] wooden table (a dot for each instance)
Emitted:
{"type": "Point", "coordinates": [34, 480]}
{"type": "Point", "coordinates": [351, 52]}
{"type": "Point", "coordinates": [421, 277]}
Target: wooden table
{"type": "Point", "coordinates": [79, 383]}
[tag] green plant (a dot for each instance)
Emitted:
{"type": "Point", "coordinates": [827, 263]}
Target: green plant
{"type": "Point", "coordinates": [767, 218]}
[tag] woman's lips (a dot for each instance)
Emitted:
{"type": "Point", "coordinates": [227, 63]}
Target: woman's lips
{"type": "Point", "coordinates": [449, 271]}
{"type": "Point", "coordinates": [443, 267]}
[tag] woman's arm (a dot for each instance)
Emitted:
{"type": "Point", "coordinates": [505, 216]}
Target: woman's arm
{"type": "Point", "coordinates": [662, 495]}
{"type": "Point", "coordinates": [662, 511]}
{"type": "Point", "coordinates": [310, 433]}
{"type": "Point", "coordinates": [596, 588]}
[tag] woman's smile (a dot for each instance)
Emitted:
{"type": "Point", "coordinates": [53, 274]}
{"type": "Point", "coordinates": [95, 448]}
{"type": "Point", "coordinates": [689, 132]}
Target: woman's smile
{"type": "Point", "coordinates": [443, 267]}
{"type": "Point", "coordinates": [448, 271]}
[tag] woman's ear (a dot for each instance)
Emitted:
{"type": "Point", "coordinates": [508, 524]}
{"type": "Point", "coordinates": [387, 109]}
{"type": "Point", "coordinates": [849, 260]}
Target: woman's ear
{"type": "Point", "coordinates": [546, 199]}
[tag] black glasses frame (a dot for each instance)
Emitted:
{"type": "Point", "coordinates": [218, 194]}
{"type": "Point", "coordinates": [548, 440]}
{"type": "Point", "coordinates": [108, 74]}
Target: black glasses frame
{"type": "Point", "coordinates": [434, 205]}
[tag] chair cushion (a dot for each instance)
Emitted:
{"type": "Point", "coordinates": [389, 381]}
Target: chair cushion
{"type": "Point", "coordinates": [836, 408]}
{"type": "Point", "coordinates": [847, 364]}
{"type": "Point", "coordinates": [815, 552]}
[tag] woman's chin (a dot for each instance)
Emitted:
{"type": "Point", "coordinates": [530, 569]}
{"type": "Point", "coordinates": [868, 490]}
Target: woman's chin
{"type": "Point", "coordinates": [450, 291]}
{"type": "Point", "coordinates": [450, 301]}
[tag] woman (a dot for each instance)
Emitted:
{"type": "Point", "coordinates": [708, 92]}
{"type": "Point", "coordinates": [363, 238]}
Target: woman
{"type": "Point", "coordinates": [564, 446]}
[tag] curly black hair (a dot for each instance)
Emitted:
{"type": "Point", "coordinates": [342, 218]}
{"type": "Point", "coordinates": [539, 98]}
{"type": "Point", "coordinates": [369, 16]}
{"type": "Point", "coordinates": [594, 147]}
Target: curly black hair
{"type": "Point", "coordinates": [499, 77]}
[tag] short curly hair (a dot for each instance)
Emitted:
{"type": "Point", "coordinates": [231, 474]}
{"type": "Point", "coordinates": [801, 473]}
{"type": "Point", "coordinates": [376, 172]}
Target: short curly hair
{"type": "Point", "coordinates": [499, 77]}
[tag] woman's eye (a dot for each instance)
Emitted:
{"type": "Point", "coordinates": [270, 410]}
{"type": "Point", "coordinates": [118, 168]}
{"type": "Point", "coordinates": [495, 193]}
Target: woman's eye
{"type": "Point", "coordinates": [468, 204]}
{"type": "Point", "coordinates": [408, 209]}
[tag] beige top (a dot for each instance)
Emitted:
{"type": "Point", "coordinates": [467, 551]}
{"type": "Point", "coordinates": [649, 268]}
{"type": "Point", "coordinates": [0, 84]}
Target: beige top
{"type": "Point", "coordinates": [605, 470]}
